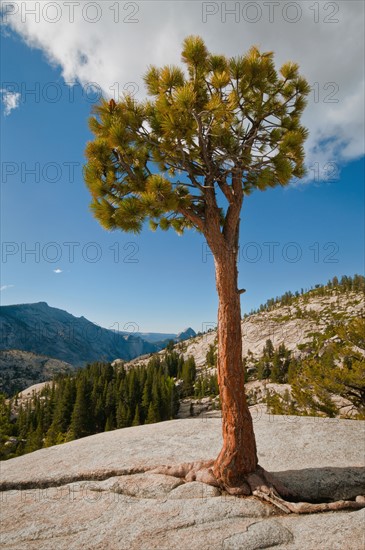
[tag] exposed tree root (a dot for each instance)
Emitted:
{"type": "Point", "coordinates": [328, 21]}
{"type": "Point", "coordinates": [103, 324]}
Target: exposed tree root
{"type": "Point", "coordinates": [261, 484]}
{"type": "Point", "coordinates": [190, 471]}
{"type": "Point", "coordinates": [308, 507]}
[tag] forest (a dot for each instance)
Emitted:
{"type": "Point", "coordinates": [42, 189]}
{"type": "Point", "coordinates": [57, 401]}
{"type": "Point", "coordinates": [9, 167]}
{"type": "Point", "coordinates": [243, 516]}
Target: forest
{"type": "Point", "coordinates": [98, 398]}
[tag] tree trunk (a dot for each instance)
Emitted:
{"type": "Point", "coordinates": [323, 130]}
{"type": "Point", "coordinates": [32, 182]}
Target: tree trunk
{"type": "Point", "coordinates": [238, 456]}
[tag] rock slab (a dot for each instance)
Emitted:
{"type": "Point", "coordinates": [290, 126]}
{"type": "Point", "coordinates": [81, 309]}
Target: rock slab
{"type": "Point", "coordinates": [93, 494]}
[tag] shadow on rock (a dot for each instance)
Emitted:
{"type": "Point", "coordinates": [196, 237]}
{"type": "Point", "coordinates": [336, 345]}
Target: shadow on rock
{"type": "Point", "coordinates": [324, 484]}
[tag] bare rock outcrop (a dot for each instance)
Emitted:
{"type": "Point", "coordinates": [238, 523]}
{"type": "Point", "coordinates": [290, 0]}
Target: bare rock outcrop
{"type": "Point", "coordinates": [99, 492]}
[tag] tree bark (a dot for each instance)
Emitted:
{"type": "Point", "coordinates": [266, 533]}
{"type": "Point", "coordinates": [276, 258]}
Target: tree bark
{"type": "Point", "coordinates": [238, 456]}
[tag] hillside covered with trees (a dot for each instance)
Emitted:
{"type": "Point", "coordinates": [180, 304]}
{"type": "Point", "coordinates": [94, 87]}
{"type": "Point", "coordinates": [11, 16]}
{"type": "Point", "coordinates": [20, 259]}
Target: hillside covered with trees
{"type": "Point", "coordinates": [98, 398]}
{"type": "Point", "coordinates": [322, 374]}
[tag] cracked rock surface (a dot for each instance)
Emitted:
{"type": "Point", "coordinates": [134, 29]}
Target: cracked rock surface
{"type": "Point", "coordinates": [98, 493]}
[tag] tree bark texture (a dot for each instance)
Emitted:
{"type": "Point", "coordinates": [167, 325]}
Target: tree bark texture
{"type": "Point", "coordinates": [238, 456]}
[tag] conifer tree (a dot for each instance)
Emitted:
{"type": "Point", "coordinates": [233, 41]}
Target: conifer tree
{"type": "Point", "coordinates": [211, 357]}
{"type": "Point", "coordinates": [198, 388]}
{"type": "Point", "coordinates": [187, 158]}
{"type": "Point", "coordinates": [5, 424]}
{"type": "Point", "coordinates": [80, 419]}
{"type": "Point", "coordinates": [188, 375]}
{"type": "Point", "coordinates": [280, 367]}
{"type": "Point", "coordinates": [151, 415]}
{"type": "Point", "coordinates": [174, 399]}
{"type": "Point", "coordinates": [63, 409]}
{"type": "Point", "coordinates": [146, 395]}
{"type": "Point", "coordinates": [109, 425]}
{"type": "Point", "coordinates": [123, 413]}
{"type": "Point", "coordinates": [268, 350]}
{"type": "Point", "coordinates": [136, 419]}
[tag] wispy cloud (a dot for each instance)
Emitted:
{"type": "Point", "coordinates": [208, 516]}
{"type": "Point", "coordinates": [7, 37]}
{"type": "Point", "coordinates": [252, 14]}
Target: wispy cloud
{"type": "Point", "coordinates": [5, 287]}
{"type": "Point", "coordinates": [58, 270]}
{"type": "Point", "coordinates": [10, 101]}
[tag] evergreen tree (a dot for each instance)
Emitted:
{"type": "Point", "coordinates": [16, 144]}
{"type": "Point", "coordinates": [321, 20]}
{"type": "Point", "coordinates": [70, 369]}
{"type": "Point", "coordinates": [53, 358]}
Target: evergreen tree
{"type": "Point", "coordinates": [109, 425]}
{"type": "Point", "coordinates": [268, 350]}
{"type": "Point", "coordinates": [66, 395]}
{"type": "Point", "coordinates": [123, 415]}
{"type": "Point", "coordinates": [198, 388]}
{"type": "Point", "coordinates": [174, 399]}
{"type": "Point", "coordinates": [170, 346]}
{"type": "Point", "coordinates": [156, 399]}
{"type": "Point", "coordinates": [136, 419]}
{"type": "Point", "coordinates": [211, 357]}
{"type": "Point", "coordinates": [110, 399]}
{"type": "Point", "coordinates": [80, 419]}
{"type": "Point", "coordinates": [151, 415]}
{"type": "Point", "coordinates": [34, 440]}
{"type": "Point", "coordinates": [280, 366]}
{"type": "Point", "coordinates": [263, 368]}
{"type": "Point", "coordinates": [213, 385]}
{"type": "Point", "coordinates": [188, 375]}
{"type": "Point", "coordinates": [172, 361]}
{"type": "Point", "coordinates": [230, 126]}
{"type": "Point", "coordinates": [146, 397]}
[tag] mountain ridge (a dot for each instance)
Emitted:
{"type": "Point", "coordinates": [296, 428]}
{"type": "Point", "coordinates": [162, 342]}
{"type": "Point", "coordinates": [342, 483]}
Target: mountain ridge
{"type": "Point", "coordinates": [34, 336]}
{"type": "Point", "coordinates": [45, 330]}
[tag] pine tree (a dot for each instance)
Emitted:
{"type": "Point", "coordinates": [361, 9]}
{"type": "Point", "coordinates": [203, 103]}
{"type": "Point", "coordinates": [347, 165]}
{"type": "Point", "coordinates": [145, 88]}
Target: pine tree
{"type": "Point", "coordinates": [151, 415]}
{"type": "Point", "coordinates": [175, 401]}
{"type": "Point", "coordinates": [123, 415]}
{"type": "Point", "coordinates": [136, 419]}
{"type": "Point", "coordinates": [62, 410]}
{"type": "Point", "coordinates": [80, 419]}
{"type": "Point", "coordinates": [110, 399]}
{"type": "Point", "coordinates": [211, 357]}
{"type": "Point", "coordinates": [213, 385]}
{"type": "Point", "coordinates": [230, 126]}
{"type": "Point", "coordinates": [172, 360]}
{"type": "Point", "coordinates": [156, 399]}
{"type": "Point", "coordinates": [198, 388]}
{"type": "Point", "coordinates": [188, 375]}
{"type": "Point", "coordinates": [109, 425]}
{"type": "Point", "coordinates": [268, 350]}
{"type": "Point", "coordinates": [34, 440]}
{"type": "Point", "coordinates": [6, 427]}
{"type": "Point", "coordinates": [280, 365]}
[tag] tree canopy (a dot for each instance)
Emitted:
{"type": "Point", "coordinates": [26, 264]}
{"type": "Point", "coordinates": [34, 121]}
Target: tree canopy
{"type": "Point", "coordinates": [218, 126]}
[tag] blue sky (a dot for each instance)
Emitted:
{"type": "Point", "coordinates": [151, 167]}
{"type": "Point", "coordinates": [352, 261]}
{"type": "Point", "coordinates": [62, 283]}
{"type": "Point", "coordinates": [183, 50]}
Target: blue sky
{"type": "Point", "coordinates": [160, 281]}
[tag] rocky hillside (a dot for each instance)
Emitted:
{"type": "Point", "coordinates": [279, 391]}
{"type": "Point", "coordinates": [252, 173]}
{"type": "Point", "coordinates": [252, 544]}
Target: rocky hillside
{"type": "Point", "coordinates": [294, 324]}
{"type": "Point", "coordinates": [99, 493]}
{"type": "Point", "coordinates": [303, 353]}
{"type": "Point", "coordinates": [21, 369]}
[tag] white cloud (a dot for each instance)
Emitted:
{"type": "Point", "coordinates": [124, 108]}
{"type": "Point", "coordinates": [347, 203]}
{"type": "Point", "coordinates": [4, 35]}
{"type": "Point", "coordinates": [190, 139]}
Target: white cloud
{"type": "Point", "coordinates": [58, 270]}
{"type": "Point", "coordinates": [10, 100]}
{"type": "Point", "coordinates": [5, 287]}
{"type": "Point", "coordinates": [326, 40]}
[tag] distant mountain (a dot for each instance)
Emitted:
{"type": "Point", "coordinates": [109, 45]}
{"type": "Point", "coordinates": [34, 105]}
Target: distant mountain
{"type": "Point", "coordinates": [161, 338]}
{"type": "Point", "coordinates": [154, 337]}
{"type": "Point", "coordinates": [46, 330]}
{"type": "Point", "coordinates": [185, 334]}
{"type": "Point", "coordinates": [21, 369]}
